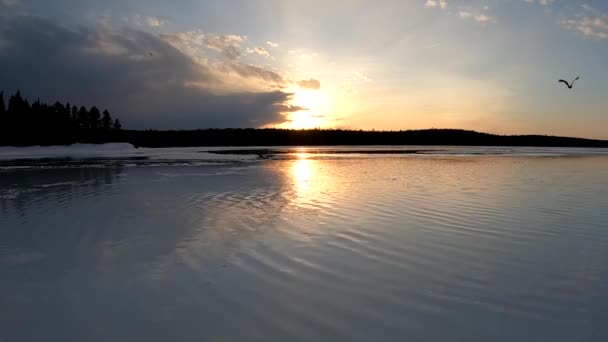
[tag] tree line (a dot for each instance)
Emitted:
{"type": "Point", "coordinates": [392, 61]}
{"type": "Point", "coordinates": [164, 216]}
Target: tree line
{"type": "Point", "coordinates": [39, 123]}
{"type": "Point", "coordinates": [25, 124]}
{"type": "Point", "coordinates": [333, 137]}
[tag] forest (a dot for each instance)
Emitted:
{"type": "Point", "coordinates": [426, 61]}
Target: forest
{"type": "Point", "coordinates": [336, 137]}
{"type": "Point", "coordinates": [38, 123]}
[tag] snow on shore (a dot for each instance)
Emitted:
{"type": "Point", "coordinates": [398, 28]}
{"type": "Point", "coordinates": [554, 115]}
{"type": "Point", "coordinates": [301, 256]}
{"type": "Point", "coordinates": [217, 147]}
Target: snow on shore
{"type": "Point", "coordinates": [76, 151]}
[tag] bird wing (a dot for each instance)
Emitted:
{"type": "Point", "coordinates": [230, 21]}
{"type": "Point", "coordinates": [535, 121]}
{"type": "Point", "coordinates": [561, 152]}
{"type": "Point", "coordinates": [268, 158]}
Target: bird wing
{"type": "Point", "coordinates": [566, 82]}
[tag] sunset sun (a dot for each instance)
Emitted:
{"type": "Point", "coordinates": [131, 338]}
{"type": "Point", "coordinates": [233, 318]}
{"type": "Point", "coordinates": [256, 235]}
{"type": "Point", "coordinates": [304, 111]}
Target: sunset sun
{"type": "Point", "coordinates": [314, 106]}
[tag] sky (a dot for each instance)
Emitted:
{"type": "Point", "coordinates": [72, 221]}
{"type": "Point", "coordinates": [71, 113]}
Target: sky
{"type": "Point", "coordinates": [489, 66]}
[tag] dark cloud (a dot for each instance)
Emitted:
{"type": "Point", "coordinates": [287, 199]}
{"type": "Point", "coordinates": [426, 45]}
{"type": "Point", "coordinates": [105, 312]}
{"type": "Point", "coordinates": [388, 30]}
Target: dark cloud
{"type": "Point", "coordinates": [310, 84]}
{"type": "Point", "coordinates": [8, 3]}
{"type": "Point", "coordinates": [140, 77]}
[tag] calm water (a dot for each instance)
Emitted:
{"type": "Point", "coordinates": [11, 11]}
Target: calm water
{"type": "Point", "coordinates": [307, 247]}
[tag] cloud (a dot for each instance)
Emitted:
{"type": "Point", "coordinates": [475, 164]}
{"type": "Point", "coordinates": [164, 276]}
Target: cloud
{"type": "Point", "coordinates": [310, 84]}
{"type": "Point", "coordinates": [251, 71]}
{"type": "Point", "coordinates": [348, 87]}
{"type": "Point", "coordinates": [111, 67]}
{"type": "Point", "coordinates": [540, 2]}
{"type": "Point", "coordinates": [595, 27]}
{"type": "Point", "coordinates": [358, 76]}
{"type": "Point", "coordinates": [304, 54]}
{"type": "Point", "coordinates": [155, 22]}
{"type": "Point", "coordinates": [443, 4]}
{"type": "Point", "coordinates": [308, 56]}
{"type": "Point", "coordinates": [234, 71]}
{"type": "Point", "coordinates": [9, 3]}
{"type": "Point", "coordinates": [591, 23]}
{"type": "Point", "coordinates": [259, 51]}
{"type": "Point", "coordinates": [230, 45]}
{"type": "Point", "coordinates": [10, 7]}
{"type": "Point", "coordinates": [191, 43]}
{"type": "Point", "coordinates": [464, 12]}
{"type": "Point", "coordinates": [273, 45]}
{"type": "Point", "coordinates": [430, 46]}
{"type": "Point", "coordinates": [478, 17]}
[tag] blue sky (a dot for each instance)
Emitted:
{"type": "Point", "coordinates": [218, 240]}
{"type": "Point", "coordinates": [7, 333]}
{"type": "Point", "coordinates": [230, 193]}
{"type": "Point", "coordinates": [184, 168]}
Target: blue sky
{"type": "Point", "coordinates": [483, 65]}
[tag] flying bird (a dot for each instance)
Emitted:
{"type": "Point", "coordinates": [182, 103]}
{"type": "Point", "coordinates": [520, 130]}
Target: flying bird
{"type": "Point", "coordinates": [569, 85]}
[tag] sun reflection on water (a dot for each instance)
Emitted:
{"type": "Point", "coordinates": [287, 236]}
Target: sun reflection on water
{"type": "Point", "coordinates": [302, 173]}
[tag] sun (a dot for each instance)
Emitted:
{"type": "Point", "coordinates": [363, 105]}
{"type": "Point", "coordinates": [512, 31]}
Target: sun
{"type": "Point", "coordinates": [310, 99]}
{"type": "Point", "coordinates": [314, 104]}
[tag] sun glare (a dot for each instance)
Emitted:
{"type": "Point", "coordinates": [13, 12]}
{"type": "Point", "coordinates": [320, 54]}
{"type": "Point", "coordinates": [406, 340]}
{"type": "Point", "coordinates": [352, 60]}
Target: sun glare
{"type": "Point", "coordinates": [302, 171]}
{"type": "Point", "coordinates": [314, 104]}
{"type": "Point", "coordinates": [310, 99]}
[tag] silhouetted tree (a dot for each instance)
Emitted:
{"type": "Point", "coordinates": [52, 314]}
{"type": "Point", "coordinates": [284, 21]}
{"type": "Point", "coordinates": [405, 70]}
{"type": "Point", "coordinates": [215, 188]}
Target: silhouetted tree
{"type": "Point", "coordinates": [16, 122]}
{"type": "Point", "coordinates": [2, 107]}
{"type": "Point", "coordinates": [43, 124]}
{"type": "Point", "coordinates": [3, 119]}
{"type": "Point", "coordinates": [26, 105]}
{"type": "Point", "coordinates": [75, 115]}
{"type": "Point", "coordinates": [106, 120]}
{"type": "Point", "coordinates": [15, 103]}
{"type": "Point", "coordinates": [67, 112]}
{"type": "Point", "coordinates": [117, 124]}
{"type": "Point", "coordinates": [83, 118]}
{"type": "Point", "coordinates": [37, 115]}
{"type": "Point", "coordinates": [94, 118]}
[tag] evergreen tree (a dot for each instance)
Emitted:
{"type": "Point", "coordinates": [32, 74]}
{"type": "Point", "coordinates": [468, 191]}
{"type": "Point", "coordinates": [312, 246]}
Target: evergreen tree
{"type": "Point", "coordinates": [16, 116]}
{"type": "Point", "coordinates": [67, 112]}
{"type": "Point", "coordinates": [60, 117]}
{"type": "Point", "coordinates": [83, 118]}
{"type": "Point", "coordinates": [75, 115]}
{"type": "Point", "coordinates": [2, 107]}
{"type": "Point", "coordinates": [15, 103]}
{"type": "Point", "coordinates": [106, 121]}
{"type": "Point", "coordinates": [66, 117]}
{"type": "Point", "coordinates": [39, 120]}
{"type": "Point", "coordinates": [23, 124]}
{"type": "Point", "coordinates": [94, 118]}
{"type": "Point", "coordinates": [57, 108]}
{"type": "Point", "coordinates": [3, 119]}
{"type": "Point", "coordinates": [36, 109]}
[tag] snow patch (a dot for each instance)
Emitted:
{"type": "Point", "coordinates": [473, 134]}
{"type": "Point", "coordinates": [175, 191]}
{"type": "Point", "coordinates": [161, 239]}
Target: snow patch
{"type": "Point", "coordinates": [75, 151]}
{"type": "Point", "coordinates": [22, 258]}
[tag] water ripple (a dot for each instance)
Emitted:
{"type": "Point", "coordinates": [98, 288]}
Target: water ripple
{"type": "Point", "coordinates": [311, 248]}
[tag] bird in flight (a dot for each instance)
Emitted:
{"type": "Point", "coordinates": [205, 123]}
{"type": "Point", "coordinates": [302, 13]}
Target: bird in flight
{"type": "Point", "coordinates": [571, 84]}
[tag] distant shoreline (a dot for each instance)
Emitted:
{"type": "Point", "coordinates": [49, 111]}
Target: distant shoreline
{"type": "Point", "coordinates": [324, 137]}
{"type": "Point", "coordinates": [333, 137]}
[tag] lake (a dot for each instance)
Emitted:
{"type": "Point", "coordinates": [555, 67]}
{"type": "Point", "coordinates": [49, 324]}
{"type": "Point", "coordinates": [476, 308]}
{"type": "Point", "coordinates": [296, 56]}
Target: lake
{"type": "Point", "coordinates": [450, 244]}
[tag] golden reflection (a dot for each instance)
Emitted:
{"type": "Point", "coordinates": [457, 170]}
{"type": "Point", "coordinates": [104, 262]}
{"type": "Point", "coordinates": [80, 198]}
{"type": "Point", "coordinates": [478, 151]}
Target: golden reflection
{"type": "Point", "coordinates": [308, 199]}
{"type": "Point", "coordinates": [313, 189]}
{"type": "Point", "coordinates": [302, 173]}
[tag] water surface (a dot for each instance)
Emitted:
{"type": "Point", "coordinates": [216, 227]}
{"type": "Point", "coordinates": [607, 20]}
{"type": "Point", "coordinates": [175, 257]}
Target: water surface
{"type": "Point", "coordinates": [457, 245]}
